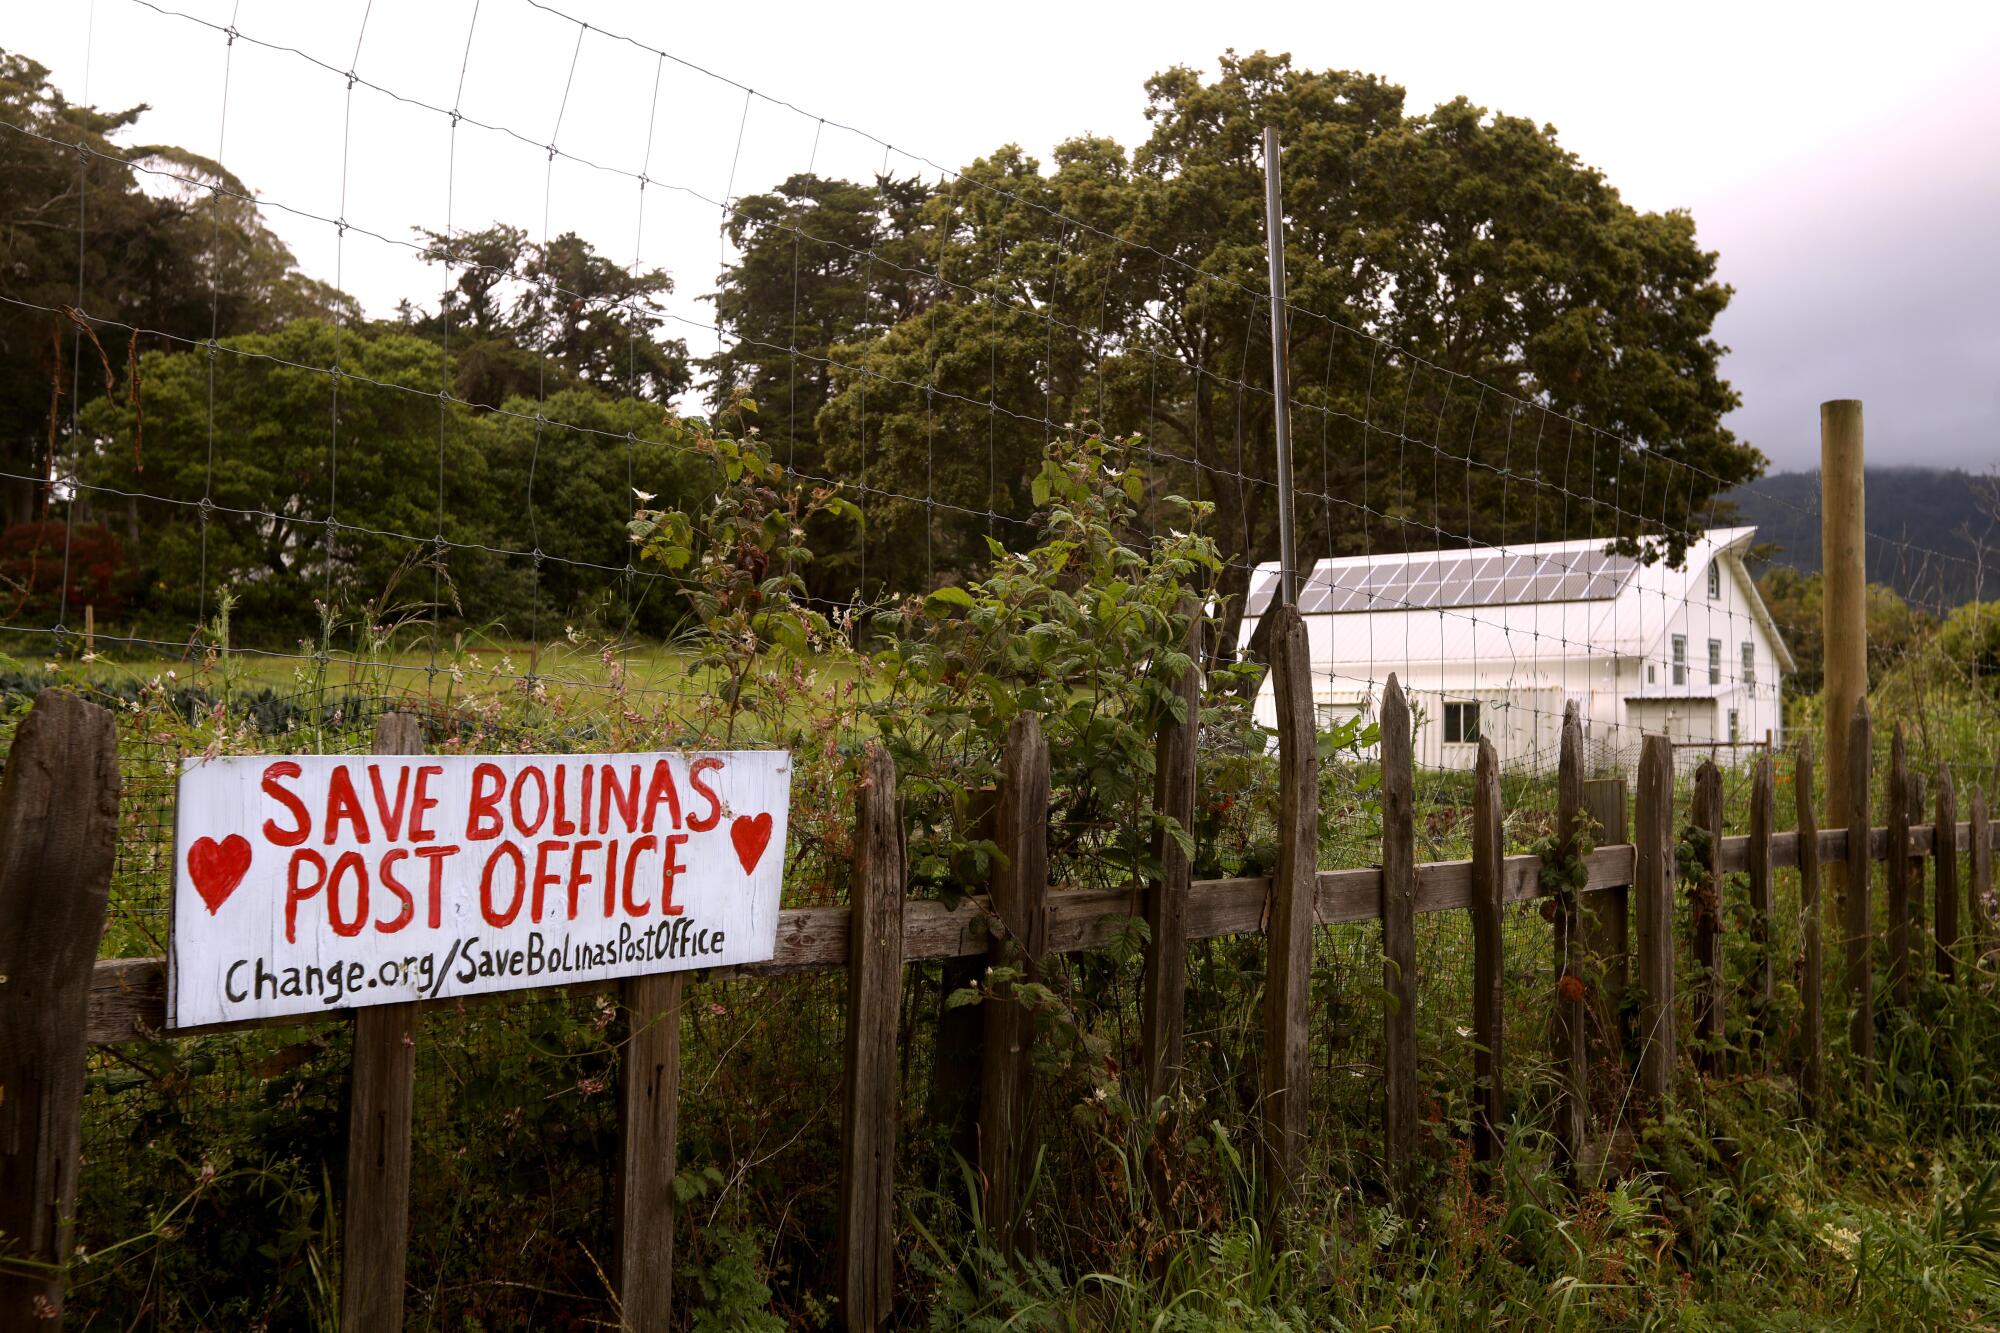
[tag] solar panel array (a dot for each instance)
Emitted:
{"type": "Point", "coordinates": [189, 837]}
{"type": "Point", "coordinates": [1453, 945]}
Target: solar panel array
{"type": "Point", "coordinates": [1434, 579]}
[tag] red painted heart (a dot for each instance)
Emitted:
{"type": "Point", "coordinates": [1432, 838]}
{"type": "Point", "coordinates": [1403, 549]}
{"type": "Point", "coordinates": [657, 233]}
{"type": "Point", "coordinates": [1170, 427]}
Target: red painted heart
{"type": "Point", "coordinates": [751, 834]}
{"type": "Point", "coordinates": [218, 867]}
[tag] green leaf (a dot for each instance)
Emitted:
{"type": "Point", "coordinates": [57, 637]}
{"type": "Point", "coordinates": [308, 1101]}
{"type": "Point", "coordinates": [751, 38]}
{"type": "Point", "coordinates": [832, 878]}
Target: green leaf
{"type": "Point", "coordinates": [948, 599]}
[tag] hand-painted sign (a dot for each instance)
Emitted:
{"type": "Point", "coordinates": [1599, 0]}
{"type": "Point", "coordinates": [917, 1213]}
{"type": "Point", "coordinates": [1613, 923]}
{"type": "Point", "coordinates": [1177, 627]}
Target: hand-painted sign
{"type": "Point", "coordinates": [314, 881]}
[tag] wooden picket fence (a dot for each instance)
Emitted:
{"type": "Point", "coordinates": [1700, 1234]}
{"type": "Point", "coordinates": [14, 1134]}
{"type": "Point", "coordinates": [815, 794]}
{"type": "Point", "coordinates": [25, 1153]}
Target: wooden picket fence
{"type": "Point", "coordinates": [1613, 924]}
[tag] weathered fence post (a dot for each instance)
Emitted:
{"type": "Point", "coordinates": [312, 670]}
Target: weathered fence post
{"type": "Point", "coordinates": [1896, 865]}
{"type": "Point", "coordinates": [1287, 1090]}
{"type": "Point", "coordinates": [649, 1108]}
{"type": "Point", "coordinates": [1163, 999]}
{"type": "Point", "coordinates": [1567, 1028]}
{"type": "Point", "coordinates": [1944, 850]}
{"type": "Point", "coordinates": [1655, 872]}
{"type": "Point", "coordinates": [1982, 881]}
{"type": "Point", "coordinates": [1007, 1140]}
{"type": "Point", "coordinates": [1762, 987]}
{"type": "Point", "coordinates": [1844, 635]}
{"type": "Point", "coordinates": [1919, 905]}
{"type": "Point", "coordinates": [1488, 963]}
{"type": "Point", "coordinates": [874, 999]}
{"type": "Point", "coordinates": [1399, 941]}
{"type": "Point", "coordinates": [1706, 907]}
{"type": "Point", "coordinates": [58, 833]}
{"type": "Point", "coordinates": [1607, 915]}
{"type": "Point", "coordinates": [1812, 1031]}
{"type": "Point", "coordinates": [1856, 913]}
{"type": "Point", "coordinates": [375, 1225]}
{"type": "Point", "coordinates": [1843, 605]}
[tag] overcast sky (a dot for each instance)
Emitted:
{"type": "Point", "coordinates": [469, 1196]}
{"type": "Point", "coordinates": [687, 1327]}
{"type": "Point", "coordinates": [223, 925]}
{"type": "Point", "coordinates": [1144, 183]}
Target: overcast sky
{"type": "Point", "coordinates": [1844, 159]}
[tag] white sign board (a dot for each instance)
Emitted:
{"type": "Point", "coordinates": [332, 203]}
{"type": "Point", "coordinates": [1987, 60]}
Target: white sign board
{"type": "Point", "coordinates": [308, 882]}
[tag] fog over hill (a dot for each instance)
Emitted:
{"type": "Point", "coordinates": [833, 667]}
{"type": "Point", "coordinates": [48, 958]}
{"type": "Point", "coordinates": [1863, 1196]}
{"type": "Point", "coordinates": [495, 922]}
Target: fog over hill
{"type": "Point", "coordinates": [1931, 530]}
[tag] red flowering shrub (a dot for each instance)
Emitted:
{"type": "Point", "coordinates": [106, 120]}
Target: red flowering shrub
{"type": "Point", "coordinates": [34, 558]}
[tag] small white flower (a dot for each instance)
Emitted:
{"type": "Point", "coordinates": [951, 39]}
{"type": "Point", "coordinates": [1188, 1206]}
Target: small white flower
{"type": "Point", "coordinates": [645, 497]}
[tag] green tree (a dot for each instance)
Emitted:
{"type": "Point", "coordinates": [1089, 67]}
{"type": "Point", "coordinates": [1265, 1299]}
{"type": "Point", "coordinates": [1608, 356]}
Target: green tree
{"type": "Point", "coordinates": [170, 241]}
{"type": "Point", "coordinates": [289, 518]}
{"type": "Point", "coordinates": [941, 420]}
{"type": "Point", "coordinates": [532, 500]}
{"type": "Point", "coordinates": [1797, 605]}
{"type": "Point", "coordinates": [820, 264]}
{"type": "Point", "coordinates": [1970, 638]}
{"type": "Point", "coordinates": [568, 476]}
{"type": "Point", "coordinates": [530, 319]}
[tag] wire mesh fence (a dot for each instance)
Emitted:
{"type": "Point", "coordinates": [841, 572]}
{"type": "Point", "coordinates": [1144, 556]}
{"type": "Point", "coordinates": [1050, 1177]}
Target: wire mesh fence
{"type": "Point", "coordinates": [280, 521]}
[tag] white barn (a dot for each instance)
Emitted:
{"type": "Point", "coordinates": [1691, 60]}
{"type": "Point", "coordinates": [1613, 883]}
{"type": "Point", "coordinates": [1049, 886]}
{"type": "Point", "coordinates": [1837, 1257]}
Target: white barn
{"type": "Point", "coordinates": [1495, 641]}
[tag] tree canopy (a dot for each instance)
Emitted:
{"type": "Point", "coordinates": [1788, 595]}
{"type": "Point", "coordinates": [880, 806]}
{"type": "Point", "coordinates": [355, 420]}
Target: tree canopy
{"type": "Point", "coordinates": [175, 243]}
{"type": "Point", "coordinates": [1467, 296]}
{"type": "Point", "coordinates": [1464, 285]}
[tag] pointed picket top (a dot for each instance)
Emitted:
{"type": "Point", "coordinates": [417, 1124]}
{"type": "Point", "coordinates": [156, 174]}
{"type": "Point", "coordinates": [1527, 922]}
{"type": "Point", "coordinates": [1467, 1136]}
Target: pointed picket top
{"type": "Point", "coordinates": [1394, 705]}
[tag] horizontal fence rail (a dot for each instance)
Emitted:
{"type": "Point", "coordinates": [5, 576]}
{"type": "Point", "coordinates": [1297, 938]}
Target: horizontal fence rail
{"type": "Point", "coordinates": [128, 996]}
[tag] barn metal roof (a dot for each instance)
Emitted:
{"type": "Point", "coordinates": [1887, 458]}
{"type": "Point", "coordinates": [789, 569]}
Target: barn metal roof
{"type": "Point", "coordinates": [1547, 600]}
{"type": "Point", "coordinates": [1428, 580]}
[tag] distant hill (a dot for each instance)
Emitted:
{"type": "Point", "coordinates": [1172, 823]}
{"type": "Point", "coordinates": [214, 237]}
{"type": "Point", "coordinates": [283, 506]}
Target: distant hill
{"type": "Point", "coordinates": [1929, 529]}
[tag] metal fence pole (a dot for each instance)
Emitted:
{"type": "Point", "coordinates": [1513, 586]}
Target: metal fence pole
{"type": "Point", "coordinates": [1281, 373]}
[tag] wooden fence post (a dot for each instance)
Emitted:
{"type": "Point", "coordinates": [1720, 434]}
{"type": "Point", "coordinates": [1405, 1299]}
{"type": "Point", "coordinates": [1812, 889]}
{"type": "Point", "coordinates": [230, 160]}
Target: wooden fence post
{"type": "Point", "coordinates": [1944, 850]}
{"type": "Point", "coordinates": [1896, 867]}
{"type": "Point", "coordinates": [1567, 1028]}
{"type": "Point", "coordinates": [58, 834]}
{"type": "Point", "coordinates": [1488, 962]}
{"type": "Point", "coordinates": [375, 1224]}
{"type": "Point", "coordinates": [1164, 994]}
{"type": "Point", "coordinates": [1007, 1140]}
{"type": "Point", "coordinates": [1982, 882]}
{"type": "Point", "coordinates": [1857, 913]}
{"type": "Point", "coordinates": [1654, 869]}
{"type": "Point", "coordinates": [649, 1109]}
{"type": "Point", "coordinates": [1762, 985]}
{"type": "Point", "coordinates": [1844, 588]}
{"type": "Point", "coordinates": [1606, 916]}
{"type": "Point", "coordinates": [1706, 908]}
{"type": "Point", "coordinates": [874, 1000]}
{"type": "Point", "coordinates": [1812, 1034]}
{"type": "Point", "coordinates": [1399, 941]}
{"type": "Point", "coordinates": [1918, 795]}
{"type": "Point", "coordinates": [1287, 1090]}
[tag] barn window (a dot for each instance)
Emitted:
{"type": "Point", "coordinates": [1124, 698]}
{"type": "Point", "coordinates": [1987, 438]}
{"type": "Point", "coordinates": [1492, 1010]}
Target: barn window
{"type": "Point", "coordinates": [1715, 661]}
{"type": "Point", "coordinates": [1461, 724]}
{"type": "Point", "coordinates": [1749, 663]}
{"type": "Point", "coordinates": [1652, 672]}
{"type": "Point", "coordinates": [1680, 659]}
{"type": "Point", "coordinates": [1714, 579]}
{"type": "Point", "coordinates": [1734, 730]}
